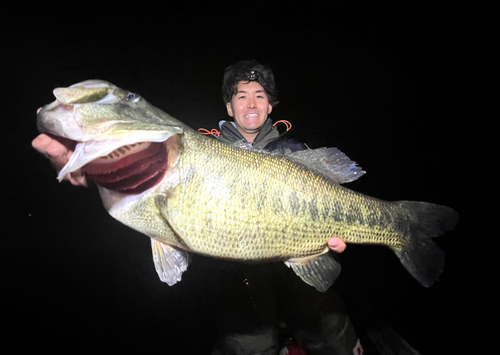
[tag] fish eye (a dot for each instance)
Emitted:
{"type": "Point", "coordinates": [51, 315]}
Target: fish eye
{"type": "Point", "coordinates": [132, 97]}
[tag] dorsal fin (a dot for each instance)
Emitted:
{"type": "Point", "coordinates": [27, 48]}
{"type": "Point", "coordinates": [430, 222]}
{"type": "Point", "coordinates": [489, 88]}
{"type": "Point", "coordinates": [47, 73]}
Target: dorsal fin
{"type": "Point", "coordinates": [329, 161]}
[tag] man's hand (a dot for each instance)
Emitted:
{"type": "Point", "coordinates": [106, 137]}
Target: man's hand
{"type": "Point", "coordinates": [59, 150]}
{"type": "Point", "coordinates": [336, 245]}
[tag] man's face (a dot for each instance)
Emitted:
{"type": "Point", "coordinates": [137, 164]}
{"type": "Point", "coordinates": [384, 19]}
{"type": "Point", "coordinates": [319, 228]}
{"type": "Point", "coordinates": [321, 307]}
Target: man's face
{"type": "Point", "coordinates": [249, 107]}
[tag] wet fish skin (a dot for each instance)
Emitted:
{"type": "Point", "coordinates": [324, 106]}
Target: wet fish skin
{"type": "Point", "coordinates": [227, 202]}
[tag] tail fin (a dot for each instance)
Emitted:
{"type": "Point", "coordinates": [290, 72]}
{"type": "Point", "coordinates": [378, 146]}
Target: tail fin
{"type": "Point", "coordinates": [421, 256]}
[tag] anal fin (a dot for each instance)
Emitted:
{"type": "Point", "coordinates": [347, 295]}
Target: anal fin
{"type": "Point", "coordinates": [319, 271]}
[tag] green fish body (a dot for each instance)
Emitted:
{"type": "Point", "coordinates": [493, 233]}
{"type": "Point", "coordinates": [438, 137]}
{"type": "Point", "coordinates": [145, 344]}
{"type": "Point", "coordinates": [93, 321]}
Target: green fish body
{"type": "Point", "coordinates": [192, 193]}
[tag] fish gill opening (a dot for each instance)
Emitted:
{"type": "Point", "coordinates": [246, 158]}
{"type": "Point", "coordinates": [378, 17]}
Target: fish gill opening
{"type": "Point", "coordinates": [130, 169]}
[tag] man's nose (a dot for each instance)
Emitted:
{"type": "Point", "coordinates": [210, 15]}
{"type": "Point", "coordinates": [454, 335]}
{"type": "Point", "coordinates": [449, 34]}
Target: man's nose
{"type": "Point", "coordinates": [251, 103]}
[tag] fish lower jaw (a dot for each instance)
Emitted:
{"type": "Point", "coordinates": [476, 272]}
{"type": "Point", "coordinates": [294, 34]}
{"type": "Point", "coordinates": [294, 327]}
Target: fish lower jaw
{"type": "Point", "coordinates": [130, 169]}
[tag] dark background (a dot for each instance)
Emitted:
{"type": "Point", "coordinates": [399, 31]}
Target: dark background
{"type": "Point", "coordinates": [401, 89]}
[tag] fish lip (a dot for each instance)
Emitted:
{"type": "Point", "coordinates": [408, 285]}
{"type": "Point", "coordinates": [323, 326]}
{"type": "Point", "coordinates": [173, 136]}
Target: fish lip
{"type": "Point", "coordinates": [59, 119]}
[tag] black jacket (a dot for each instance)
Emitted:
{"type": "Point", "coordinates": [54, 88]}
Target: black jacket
{"type": "Point", "coordinates": [268, 138]}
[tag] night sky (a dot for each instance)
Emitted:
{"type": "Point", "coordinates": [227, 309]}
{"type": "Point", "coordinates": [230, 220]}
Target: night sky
{"type": "Point", "coordinates": [402, 90]}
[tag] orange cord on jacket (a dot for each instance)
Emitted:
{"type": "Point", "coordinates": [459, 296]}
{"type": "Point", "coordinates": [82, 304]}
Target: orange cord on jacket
{"type": "Point", "coordinates": [216, 133]}
{"type": "Point", "coordinates": [287, 124]}
{"type": "Point", "coordinates": [206, 132]}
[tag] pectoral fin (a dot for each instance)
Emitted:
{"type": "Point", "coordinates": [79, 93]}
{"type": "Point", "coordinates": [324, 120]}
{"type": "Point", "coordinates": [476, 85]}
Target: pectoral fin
{"type": "Point", "coordinates": [170, 263]}
{"type": "Point", "coordinates": [319, 271]}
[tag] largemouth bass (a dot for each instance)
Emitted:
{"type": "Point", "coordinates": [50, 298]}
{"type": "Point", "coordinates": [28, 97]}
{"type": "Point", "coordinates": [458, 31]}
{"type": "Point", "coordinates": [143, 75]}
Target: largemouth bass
{"type": "Point", "coordinates": [191, 193]}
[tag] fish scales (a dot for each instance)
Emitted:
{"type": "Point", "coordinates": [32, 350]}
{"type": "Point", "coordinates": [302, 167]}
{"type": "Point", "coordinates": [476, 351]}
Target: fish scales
{"type": "Point", "coordinates": [237, 197]}
{"type": "Point", "coordinates": [216, 199]}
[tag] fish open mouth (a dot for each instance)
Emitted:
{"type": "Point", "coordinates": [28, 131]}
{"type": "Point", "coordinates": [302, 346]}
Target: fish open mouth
{"type": "Point", "coordinates": [130, 169]}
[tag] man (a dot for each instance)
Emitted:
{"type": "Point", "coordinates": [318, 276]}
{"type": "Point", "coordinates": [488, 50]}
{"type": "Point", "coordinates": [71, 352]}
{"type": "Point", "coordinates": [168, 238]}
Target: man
{"type": "Point", "coordinates": [318, 321]}
{"type": "Point", "coordinates": [249, 93]}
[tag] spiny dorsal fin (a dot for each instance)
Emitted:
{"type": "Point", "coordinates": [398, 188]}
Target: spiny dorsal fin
{"type": "Point", "coordinates": [329, 161]}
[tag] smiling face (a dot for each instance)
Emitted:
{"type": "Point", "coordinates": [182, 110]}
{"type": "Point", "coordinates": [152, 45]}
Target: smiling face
{"type": "Point", "coordinates": [249, 107]}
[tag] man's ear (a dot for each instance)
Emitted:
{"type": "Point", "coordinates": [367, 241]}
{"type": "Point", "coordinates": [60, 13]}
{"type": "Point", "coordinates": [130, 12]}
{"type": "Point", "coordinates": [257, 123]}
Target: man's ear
{"type": "Point", "coordinates": [229, 109]}
{"type": "Point", "coordinates": [270, 109]}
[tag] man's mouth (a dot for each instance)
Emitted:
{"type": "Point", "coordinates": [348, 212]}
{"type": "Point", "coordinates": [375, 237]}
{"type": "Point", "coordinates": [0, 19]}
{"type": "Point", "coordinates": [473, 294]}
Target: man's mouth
{"type": "Point", "coordinates": [131, 169]}
{"type": "Point", "coordinates": [252, 115]}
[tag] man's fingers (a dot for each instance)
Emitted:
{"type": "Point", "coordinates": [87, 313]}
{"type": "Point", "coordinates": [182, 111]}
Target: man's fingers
{"type": "Point", "coordinates": [337, 245]}
{"type": "Point", "coordinates": [41, 142]}
{"type": "Point", "coordinates": [59, 150]}
{"type": "Point", "coordinates": [78, 179]}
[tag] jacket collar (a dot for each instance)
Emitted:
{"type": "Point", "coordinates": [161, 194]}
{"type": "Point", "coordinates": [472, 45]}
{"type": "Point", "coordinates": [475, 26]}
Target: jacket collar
{"type": "Point", "coordinates": [229, 134]}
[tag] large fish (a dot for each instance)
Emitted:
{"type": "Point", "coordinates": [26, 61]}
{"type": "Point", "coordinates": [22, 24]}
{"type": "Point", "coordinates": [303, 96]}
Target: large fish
{"type": "Point", "coordinates": [191, 193]}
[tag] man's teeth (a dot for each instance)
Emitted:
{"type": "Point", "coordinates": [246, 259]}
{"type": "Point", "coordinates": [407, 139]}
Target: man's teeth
{"type": "Point", "coordinates": [252, 115]}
